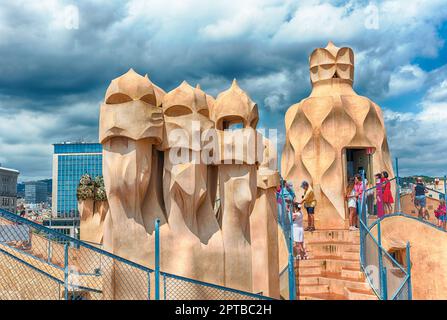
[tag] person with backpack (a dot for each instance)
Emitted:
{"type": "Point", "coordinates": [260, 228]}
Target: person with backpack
{"type": "Point", "coordinates": [419, 198]}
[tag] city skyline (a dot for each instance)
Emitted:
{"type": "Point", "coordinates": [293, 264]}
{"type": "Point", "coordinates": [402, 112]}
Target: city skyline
{"type": "Point", "coordinates": [54, 78]}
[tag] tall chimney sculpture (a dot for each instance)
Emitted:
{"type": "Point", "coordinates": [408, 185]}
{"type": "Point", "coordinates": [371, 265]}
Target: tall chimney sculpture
{"type": "Point", "coordinates": [264, 225]}
{"type": "Point", "coordinates": [194, 248]}
{"type": "Point", "coordinates": [237, 161]}
{"type": "Point", "coordinates": [131, 125]}
{"type": "Point", "coordinates": [321, 129]}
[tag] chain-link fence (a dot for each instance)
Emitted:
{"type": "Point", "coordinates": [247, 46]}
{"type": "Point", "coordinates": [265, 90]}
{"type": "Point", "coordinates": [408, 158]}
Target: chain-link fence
{"type": "Point", "coordinates": [179, 288]}
{"type": "Point", "coordinates": [39, 263]}
{"type": "Point", "coordinates": [55, 266]}
{"type": "Point", "coordinates": [389, 279]}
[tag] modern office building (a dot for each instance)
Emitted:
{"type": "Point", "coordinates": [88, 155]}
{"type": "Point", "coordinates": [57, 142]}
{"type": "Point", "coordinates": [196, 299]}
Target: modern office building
{"type": "Point", "coordinates": [8, 189]}
{"type": "Point", "coordinates": [21, 188]}
{"type": "Point", "coordinates": [35, 192]}
{"type": "Point", "coordinates": [70, 161]}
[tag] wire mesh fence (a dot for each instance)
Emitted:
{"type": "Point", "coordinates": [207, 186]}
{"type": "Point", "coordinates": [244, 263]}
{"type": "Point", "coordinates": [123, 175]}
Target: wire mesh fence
{"type": "Point", "coordinates": [388, 278]}
{"type": "Point", "coordinates": [370, 261]}
{"type": "Point", "coordinates": [180, 288]}
{"type": "Point", "coordinates": [64, 267]}
{"type": "Point", "coordinates": [396, 275]}
{"type": "Point", "coordinates": [403, 293]}
{"type": "Point", "coordinates": [39, 263]}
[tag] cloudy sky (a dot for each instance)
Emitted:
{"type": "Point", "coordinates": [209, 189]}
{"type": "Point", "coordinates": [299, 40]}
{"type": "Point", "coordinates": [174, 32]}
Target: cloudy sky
{"type": "Point", "coordinates": [57, 58]}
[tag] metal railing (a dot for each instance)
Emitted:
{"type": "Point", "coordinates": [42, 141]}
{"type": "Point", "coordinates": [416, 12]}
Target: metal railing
{"type": "Point", "coordinates": [286, 224]}
{"type": "Point", "coordinates": [390, 279]}
{"type": "Point", "coordinates": [37, 262]}
{"type": "Point", "coordinates": [173, 287]}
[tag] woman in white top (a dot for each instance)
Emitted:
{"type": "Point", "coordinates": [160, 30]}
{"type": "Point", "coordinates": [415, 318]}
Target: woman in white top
{"type": "Point", "coordinates": [298, 231]}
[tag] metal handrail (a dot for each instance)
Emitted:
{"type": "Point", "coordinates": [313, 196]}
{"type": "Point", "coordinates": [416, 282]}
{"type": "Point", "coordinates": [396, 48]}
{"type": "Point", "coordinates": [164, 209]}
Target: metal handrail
{"type": "Point", "coordinates": [401, 214]}
{"type": "Point", "coordinates": [15, 217]}
{"type": "Point", "coordinates": [215, 286]}
{"type": "Point", "coordinates": [54, 234]}
{"type": "Point", "coordinates": [364, 232]}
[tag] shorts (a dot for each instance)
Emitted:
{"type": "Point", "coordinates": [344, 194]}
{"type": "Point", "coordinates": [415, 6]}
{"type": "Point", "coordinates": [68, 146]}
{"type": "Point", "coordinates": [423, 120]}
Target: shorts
{"type": "Point", "coordinates": [420, 201]}
{"type": "Point", "coordinates": [310, 210]}
{"type": "Point", "coordinates": [298, 233]}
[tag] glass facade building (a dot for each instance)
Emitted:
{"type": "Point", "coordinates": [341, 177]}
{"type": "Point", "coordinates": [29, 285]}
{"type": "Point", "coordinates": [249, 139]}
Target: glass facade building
{"type": "Point", "coordinates": [35, 192]}
{"type": "Point", "coordinates": [70, 162]}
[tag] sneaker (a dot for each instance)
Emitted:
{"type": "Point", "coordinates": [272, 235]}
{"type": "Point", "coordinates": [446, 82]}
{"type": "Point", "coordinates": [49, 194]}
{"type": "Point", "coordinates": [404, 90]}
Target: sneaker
{"type": "Point", "coordinates": [351, 228]}
{"type": "Point", "coordinates": [308, 229]}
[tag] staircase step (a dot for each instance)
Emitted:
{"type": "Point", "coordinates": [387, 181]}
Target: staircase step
{"type": "Point", "coordinates": [337, 283]}
{"type": "Point", "coordinates": [323, 296]}
{"type": "Point", "coordinates": [330, 263]}
{"type": "Point", "coordinates": [308, 280]}
{"type": "Point", "coordinates": [313, 288]}
{"type": "Point", "coordinates": [355, 274]}
{"type": "Point", "coordinates": [306, 271]}
{"type": "Point", "coordinates": [351, 255]}
{"type": "Point", "coordinates": [331, 248]}
{"type": "Point", "coordinates": [332, 235]}
{"type": "Point", "coordinates": [353, 294]}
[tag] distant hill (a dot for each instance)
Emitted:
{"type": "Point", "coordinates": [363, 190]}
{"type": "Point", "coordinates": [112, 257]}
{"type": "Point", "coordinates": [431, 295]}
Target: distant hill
{"type": "Point", "coordinates": [412, 179]}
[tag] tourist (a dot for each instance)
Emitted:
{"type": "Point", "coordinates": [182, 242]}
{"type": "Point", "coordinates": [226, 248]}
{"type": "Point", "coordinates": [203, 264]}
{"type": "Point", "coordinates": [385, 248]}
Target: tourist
{"type": "Point", "coordinates": [352, 204]}
{"type": "Point", "coordinates": [379, 195]}
{"type": "Point", "coordinates": [309, 202]}
{"type": "Point", "coordinates": [419, 198]}
{"type": "Point", "coordinates": [289, 194]}
{"type": "Point", "coordinates": [440, 214]}
{"type": "Point", "coordinates": [298, 232]}
{"type": "Point", "coordinates": [388, 199]}
{"type": "Point", "coordinates": [285, 196]}
{"type": "Point", "coordinates": [358, 187]}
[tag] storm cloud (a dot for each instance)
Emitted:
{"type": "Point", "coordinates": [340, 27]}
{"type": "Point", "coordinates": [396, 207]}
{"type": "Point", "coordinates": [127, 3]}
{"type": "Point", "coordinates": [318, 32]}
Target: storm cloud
{"type": "Point", "coordinates": [58, 57]}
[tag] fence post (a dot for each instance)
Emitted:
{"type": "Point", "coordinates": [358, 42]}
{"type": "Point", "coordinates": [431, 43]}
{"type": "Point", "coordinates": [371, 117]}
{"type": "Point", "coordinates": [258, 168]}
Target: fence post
{"type": "Point", "coordinates": [292, 279]}
{"type": "Point", "coordinates": [362, 225]}
{"type": "Point", "coordinates": [445, 189]}
{"type": "Point", "coordinates": [384, 284]}
{"type": "Point", "coordinates": [288, 230]}
{"type": "Point", "coordinates": [410, 289]}
{"type": "Point", "coordinates": [157, 259]}
{"type": "Point", "coordinates": [49, 254]}
{"type": "Point", "coordinates": [66, 271]}
{"type": "Point", "coordinates": [397, 206]}
{"type": "Point", "coordinates": [363, 205]}
{"type": "Point", "coordinates": [148, 285]}
{"type": "Point", "coordinates": [382, 275]}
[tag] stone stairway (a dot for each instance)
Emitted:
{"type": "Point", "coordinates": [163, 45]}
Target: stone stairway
{"type": "Point", "coordinates": [332, 271]}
